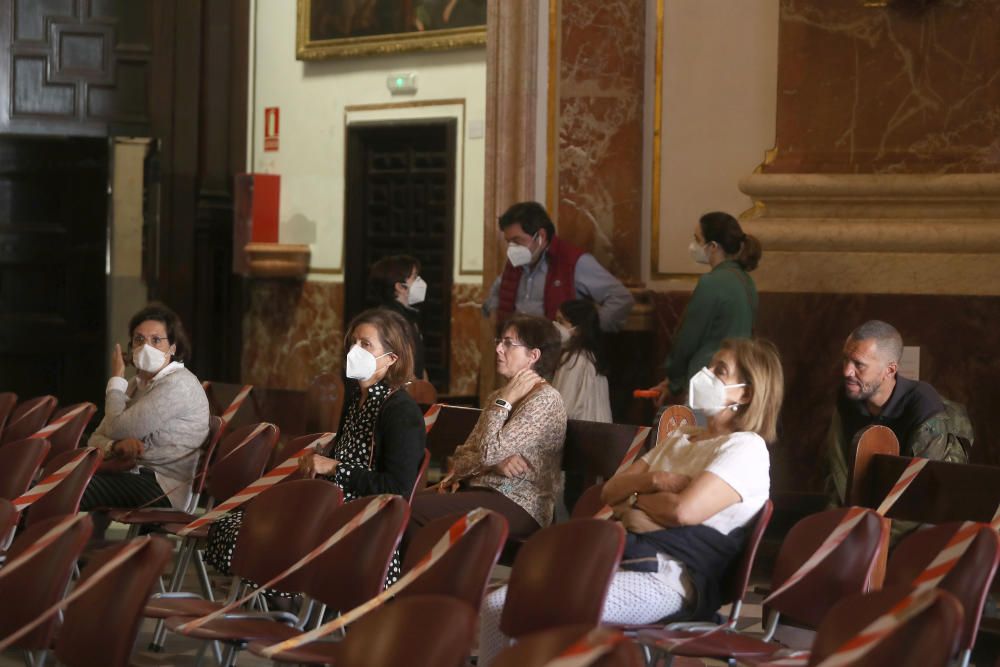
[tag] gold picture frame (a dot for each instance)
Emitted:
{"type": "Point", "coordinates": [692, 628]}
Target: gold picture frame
{"type": "Point", "coordinates": [330, 28]}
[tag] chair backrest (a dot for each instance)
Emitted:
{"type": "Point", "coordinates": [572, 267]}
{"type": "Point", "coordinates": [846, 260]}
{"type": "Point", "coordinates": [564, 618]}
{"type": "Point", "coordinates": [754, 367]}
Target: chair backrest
{"type": "Point", "coordinates": [927, 639]}
{"type": "Point", "coordinates": [969, 580]}
{"type": "Point", "coordinates": [19, 461]}
{"type": "Point", "coordinates": [8, 400]}
{"type": "Point", "coordinates": [269, 542]}
{"type": "Point", "coordinates": [420, 631]}
{"type": "Point", "coordinates": [673, 417]}
{"type": "Point", "coordinates": [215, 432]}
{"type": "Point", "coordinates": [285, 408]}
{"type": "Point", "coordinates": [452, 428]}
{"type": "Point", "coordinates": [422, 391]}
{"type": "Point", "coordinates": [464, 571]}
{"type": "Point", "coordinates": [595, 450]}
{"type": "Point", "coordinates": [232, 470]}
{"type": "Point", "coordinates": [285, 448]}
{"type": "Point", "coordinates": [68, 437]}
{"type": "Point", "coordinates": [100, 627]}
{"type": "Point", "coordinates": [735, 582]}
{"type": "Point", "coordinates": [65, 497]}
{"type": "Point", "coordinates": [8, 519]}
{"type": "Point", "coordinates": [41, 581]}
{"type": "Point", "coordinates": [27, 418]}
{"type": "Point", "coordinates": [589, 503]}
{"type": "Point", "coordinates": [845, 571]}
{"type": "Point", "coordinates": [421, 480]}
{"type": "Point", "coordinates": [324, 402]}
{"type": "Point", "coordinates": [537, 649]}
{"type": "Point", "coordinates": [867, 443]}
{"type": "Point", "coordinates": [353, 570]}
{"type": "Point", "coordinates": [561, 576]}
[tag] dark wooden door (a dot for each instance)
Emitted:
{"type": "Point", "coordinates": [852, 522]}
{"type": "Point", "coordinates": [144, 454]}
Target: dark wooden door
{"type": "Point", "coordinates": [53, 229]}
{"type": "Point", "coordinates": [400, 200]}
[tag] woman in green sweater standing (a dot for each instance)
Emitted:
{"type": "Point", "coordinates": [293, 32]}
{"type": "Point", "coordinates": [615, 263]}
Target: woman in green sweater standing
{"type": "Point", "coordinates": [724, 303]}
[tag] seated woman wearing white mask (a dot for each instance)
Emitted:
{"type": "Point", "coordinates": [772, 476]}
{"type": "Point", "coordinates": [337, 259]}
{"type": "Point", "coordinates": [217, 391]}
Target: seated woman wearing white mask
{"type": "Point", "coordinates": [687, 502]}
{"type": "Point", "coordinates": [155, 423]}
{"type": "Point", "coordinates": [380, 439]}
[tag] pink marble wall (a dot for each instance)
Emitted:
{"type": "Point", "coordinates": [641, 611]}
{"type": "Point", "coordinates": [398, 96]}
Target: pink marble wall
{"type": "Point", "coordinates": [465, 354]}
{"type": "Point", "coordinates": [293, 331]}
{"type": "Point", "coordinates": [600, 130]}
{"type": "Point", "coordinates": [909, 88]}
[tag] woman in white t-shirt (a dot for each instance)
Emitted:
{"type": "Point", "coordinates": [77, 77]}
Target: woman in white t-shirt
{"type": "Point", "coordinates": [687, 502]}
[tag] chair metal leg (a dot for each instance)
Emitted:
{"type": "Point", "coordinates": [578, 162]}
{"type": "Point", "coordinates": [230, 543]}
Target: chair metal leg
{"type": "Point", "coordinates": [176, 580]}
{"type": "Point", "coordinates": [202, 571]}
{"type": "Point", "coordinates": [963, 659]}
{"type": "Point", "coordinates": [229, 659]}
{"type": "Point", "coordinates": [217, 652]}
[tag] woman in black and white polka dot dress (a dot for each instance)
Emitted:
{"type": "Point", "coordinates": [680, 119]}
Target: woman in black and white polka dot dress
{"type": "Point", "coordinates": [380, 440]}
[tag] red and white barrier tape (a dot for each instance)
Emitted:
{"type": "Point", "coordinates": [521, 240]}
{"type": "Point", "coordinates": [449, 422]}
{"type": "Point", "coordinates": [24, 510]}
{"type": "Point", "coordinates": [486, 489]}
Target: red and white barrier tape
{"type": "Point", "coordinates": [880, 628]}
{"type": "Point", "coordinates": [670, 644]}
{"type": "Point", "coordinates": [431, 416]}
{"type": "Point", "coordinates": [50, 536]}
{"type": "Point", "coordinates": [588, 649]}
{"type": "Point", "coordinates": [127, 552]}
{"type": "Point", "coordinates": [26, 413]}
{"type": "Point", "coordinates": [50, 482]}
{"type": "Point", "coordinates": [631, 454]}
{"type": "Point", "coordinates": [255, 488]}
{"type": "Point", "coordinates": [54, 426]}
{"type": "Point", "coordinates": [376, 505]}
{"type": "Point", "coordinates": [234, 407]}
{"type": "Point", "coordinates": [447, 541]}
{"type": "Point", "coordinates": [910, 473]}
{"type": "Point", "coordinates": [833, 540]}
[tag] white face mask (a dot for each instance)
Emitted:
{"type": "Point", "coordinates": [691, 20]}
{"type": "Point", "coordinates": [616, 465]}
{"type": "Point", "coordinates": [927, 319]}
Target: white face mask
{"type": "Point", "coordinates": [149, 359]}
{"type": "Point", "coordinates": [564, 332]}
{"type": "Point", "coordinates": [698, 253]}
{"type": "Point", "coordinates": [361, 363]}
{"type": "Point", "coordinates": [417, 292]}
{"type": "Point", "coordinates": [520, 255]}
{"type": "Point", "coordinates": [706, 392]}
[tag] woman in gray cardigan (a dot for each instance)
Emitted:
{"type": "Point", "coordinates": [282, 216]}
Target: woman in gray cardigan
{"type": "Point", "coordinates": [157, 421]}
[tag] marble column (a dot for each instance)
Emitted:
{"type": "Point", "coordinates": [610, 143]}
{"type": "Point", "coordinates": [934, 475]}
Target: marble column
{"type": "Point", "coordinates": [512, 62]}
{"type": "Point", "coordinates": [600, 130]}
{"type": "Point", "coordinates": [881, 200]}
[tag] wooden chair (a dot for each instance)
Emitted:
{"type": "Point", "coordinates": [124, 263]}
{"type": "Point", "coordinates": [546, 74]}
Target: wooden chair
{"type": "Point", "coordinates": [537, 649]}
{"type": "Point", "coordinates": [64, 498]}
{"type": "Point", "coordinates": [324, 403]}
{"type": "Point", "coordinates": [68, 437]}
{"type": "Point", "coordinates": [8, 400]}
{"type": "Point", "coordinates": [27, 417]}
{"type": "Point", "coordinates": [845, 571]}
{"type": "Point", "coordinates": [422, 391]}
{"type": "Point", "coordinates": [19, 463]}
{"type": "Point", "coordinates": [452, 428]}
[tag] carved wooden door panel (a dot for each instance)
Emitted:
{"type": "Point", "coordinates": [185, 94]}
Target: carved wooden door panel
{"type": "Point", "coordinates": [53, 221]}
{"type": "Point", "coordinates": [400, 200]}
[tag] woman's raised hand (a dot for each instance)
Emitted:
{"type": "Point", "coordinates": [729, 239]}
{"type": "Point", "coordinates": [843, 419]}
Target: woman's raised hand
{"type": "Point", "coordinates": [313, 464]}
{"type": "Point", "coordinates": [117, 362]}
{"type": "Point", "coordinates": [513, 466]}
{"type": "Point", "coordinates": [520, 385]}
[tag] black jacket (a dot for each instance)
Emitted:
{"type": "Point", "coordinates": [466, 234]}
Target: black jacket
{"type": "Point", "coordinates": [399, 437]}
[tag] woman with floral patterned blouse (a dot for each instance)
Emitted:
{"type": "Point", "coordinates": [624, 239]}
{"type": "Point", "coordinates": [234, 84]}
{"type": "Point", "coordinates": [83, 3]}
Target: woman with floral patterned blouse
{"type": "Point", "coordinates": [511, 461]}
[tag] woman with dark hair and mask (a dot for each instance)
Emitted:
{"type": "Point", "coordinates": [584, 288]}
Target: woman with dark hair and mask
{"type": "Point", "coordinates": [380, 439]}
{"type": "Point", "coordinates": [723, 305]}
{"type": "Point", "coordinates": [581, 376]}
{"type": "Point", "coordinates": [396, 285]}
{"type": "Point", "coordinates": [155, 423]}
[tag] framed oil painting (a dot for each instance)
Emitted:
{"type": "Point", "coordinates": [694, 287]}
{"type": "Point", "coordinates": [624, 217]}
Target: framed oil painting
{"type": "Point", "coordinates": [341, 28]}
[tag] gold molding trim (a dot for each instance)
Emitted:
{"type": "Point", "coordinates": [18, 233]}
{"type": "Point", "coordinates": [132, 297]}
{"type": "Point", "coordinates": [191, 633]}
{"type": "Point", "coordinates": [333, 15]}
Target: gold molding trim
{"type": "Point", "coordinates": [460, 184]}
{"type": "Point", "coordinates": [433, 40]}
{"type": "Point", "coordinates": [327, 272]}
{"type": "Point", "coordinates": [552, 129]}
{"type": "Point", "coordinates": [655, 184]}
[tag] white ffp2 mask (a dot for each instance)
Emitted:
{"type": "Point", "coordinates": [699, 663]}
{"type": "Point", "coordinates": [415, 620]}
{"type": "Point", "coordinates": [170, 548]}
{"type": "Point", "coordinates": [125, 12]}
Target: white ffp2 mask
{"type": "Point", "coordinates": [417, 292]}
{"type": "Point", "coordinates": [147, 358]}
{"type": "Point", "coordinates": [361, 363]}
{"type": "Point", "coordinates": [698, 253]}
{"type": "Point", "coordinates": [706, 392]}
